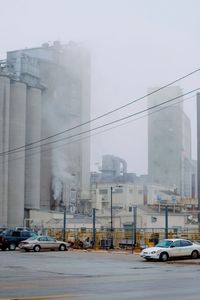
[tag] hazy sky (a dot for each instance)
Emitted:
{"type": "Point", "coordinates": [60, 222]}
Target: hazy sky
{"type": "Point", "coordinates": [134, 45]}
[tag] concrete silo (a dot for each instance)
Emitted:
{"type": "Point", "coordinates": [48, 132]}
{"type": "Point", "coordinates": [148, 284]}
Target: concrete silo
{"type": "Point", "coordinates": [16, 160]}
{"type": "Point", "coordinates": [32, 162]}
{"type": "Point", "coordinates": [4, 139]}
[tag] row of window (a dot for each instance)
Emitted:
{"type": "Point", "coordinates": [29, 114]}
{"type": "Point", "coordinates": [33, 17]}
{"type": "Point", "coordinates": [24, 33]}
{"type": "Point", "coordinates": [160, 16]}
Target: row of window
{"type": "Point", "coordinates": [117, 191]}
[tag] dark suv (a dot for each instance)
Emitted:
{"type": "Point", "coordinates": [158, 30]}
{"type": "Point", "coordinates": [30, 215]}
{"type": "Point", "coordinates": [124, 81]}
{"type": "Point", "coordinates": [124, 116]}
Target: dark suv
{"type": "Point", "coordinates": [10, 239]}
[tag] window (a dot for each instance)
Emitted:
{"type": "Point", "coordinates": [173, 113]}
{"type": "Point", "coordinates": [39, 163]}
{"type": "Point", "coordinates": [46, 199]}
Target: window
{"type": "Point", "coordinates": [103, 192]}
{"type": "Point", "coordinates": [177, 244]}
{"type": "Point", "coordinates": [16, 233]}
{"type": "Point", "coordinates": [50, 239]}
{"type": "Point", "coordinates": [186, 243]}
{"type": "Point", "coordinates": [26, 234]}
{"type": "Point", "coordinates": [153, 219]}
{"type": "Point", "coordinates": [42, 239]}
{"type": "Point", "coordinates": [118, 191]}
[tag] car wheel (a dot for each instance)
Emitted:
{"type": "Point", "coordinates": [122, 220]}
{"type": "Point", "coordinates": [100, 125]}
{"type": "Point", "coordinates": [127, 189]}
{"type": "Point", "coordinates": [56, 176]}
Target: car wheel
{"type": "Point", "coordinates": [62, 247]}
{"type": "Point", "coordinates": [164, 256]}
{"type": "Point", "coordinates": [194, 254]}
{"type": "Point", "coordinates": [12, 247]}
{"type": "Point", "coordinates": [37, 248]}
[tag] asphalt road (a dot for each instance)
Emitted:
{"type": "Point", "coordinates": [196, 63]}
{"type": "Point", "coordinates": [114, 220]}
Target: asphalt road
{"type": "Point", "coordinates": [94, 276]}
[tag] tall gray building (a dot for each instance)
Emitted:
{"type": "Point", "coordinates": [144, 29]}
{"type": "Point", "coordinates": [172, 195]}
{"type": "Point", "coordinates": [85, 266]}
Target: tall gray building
{"type": "Point", "coordinates": [169, 142]}
{"type": "Point", "coordinates": [43, 92]}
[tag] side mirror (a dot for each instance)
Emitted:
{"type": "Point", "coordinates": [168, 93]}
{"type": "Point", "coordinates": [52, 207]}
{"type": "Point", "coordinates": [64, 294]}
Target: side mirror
{"type": "Point", "coordinates": [172, 246]}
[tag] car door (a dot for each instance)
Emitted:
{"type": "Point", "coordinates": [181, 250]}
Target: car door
{"type": "Point", "coordinates": [42, 241]}
{"type": "Point", "coordinates": [175, 249]}
{"type": "Point", "coordinates": [187, 247]}
{"type": "Point", "coordinates": [51, 243]}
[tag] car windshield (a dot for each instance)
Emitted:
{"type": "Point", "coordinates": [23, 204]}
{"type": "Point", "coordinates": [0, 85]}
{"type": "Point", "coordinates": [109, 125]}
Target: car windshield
{"type": "Point", "coordinates": [164, 244]}
{"type": "Point", "coordinates": [32, 238]}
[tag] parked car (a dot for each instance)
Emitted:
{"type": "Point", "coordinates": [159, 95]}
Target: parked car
{"type": "Point", "coordinates": [43, 242]}
{"type": "Point", "coordinates": [10, 239]}
{"type": "Point", "coordinates": [3, 228]}
{"type": "Point", "coordinates": [171, 248]}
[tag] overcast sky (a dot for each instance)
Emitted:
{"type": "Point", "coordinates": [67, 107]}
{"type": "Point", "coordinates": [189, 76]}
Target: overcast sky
{"type": "Point", "coordinates": [134, 44]}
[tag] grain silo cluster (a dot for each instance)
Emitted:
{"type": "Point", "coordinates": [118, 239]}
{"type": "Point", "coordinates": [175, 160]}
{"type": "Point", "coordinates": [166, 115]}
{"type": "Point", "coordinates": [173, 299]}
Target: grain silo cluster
{"type": "Point", "coordinates": [43, 92]}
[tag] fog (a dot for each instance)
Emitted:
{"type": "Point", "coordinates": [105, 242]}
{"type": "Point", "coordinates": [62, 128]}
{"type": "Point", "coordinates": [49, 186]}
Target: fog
{"type": "Point", "coordinates": [134, 45]}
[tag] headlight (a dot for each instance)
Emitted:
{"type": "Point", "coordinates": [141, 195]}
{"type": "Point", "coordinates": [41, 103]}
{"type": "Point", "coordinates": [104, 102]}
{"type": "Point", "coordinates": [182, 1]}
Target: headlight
{"type": "Point", "coordinates": [154, 252]}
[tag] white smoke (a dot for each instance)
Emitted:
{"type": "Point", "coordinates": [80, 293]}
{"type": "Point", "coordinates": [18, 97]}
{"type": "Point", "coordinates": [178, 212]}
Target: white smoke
{"type": "Point", "coordinates": [60, 172]}
{"type": "Point", "coordinates": [61, 110]}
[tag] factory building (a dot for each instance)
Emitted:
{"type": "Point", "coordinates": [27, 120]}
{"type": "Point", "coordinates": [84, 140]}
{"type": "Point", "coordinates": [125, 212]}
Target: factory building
{"type": "Point", "coordinates": [169, 142]}
{"type": "Point", "coordinates": [43, 166]}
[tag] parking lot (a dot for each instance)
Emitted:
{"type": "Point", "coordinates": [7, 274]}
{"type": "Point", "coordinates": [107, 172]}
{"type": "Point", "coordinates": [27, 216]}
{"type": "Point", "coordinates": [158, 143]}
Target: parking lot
{"type": "Point", "coordinates": [95, 275]}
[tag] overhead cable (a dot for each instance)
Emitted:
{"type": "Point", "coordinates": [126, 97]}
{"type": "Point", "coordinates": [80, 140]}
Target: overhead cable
{"type": "Point", "coordinates": [103, 125]}
{"type": "Point", "coordinates": [103, 115]}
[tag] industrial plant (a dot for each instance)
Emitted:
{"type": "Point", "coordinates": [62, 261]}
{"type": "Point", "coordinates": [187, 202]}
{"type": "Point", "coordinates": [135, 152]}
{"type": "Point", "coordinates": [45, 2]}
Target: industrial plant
{"type": "Point", "coordinates": [43, 166]}
{"type": "Point", "coordinates": [45, 161]}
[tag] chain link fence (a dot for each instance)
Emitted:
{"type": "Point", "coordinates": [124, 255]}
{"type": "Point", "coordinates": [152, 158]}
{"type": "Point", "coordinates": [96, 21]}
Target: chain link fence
{"type": "Point", "coordinates": [121, 239]}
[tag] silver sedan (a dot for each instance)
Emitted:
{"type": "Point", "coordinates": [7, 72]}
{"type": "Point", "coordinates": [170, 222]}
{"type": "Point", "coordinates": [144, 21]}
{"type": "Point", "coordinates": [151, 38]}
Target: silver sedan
{"type": "Point", "coordinates": [172, 248]}
{"type": "Point", "coordinates": [43, 243]}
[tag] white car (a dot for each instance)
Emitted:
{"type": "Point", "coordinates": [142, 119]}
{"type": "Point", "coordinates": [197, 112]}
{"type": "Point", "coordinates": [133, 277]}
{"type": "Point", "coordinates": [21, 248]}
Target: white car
{"type": "Point", "coordinates": [171, 248]}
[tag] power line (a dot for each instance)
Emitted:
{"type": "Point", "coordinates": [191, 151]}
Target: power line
{"type": "Point", "coordinates": [103, 125]}
{"type": "Point", "coordinates": [103, 115]}
{"type": "Point", "coordinates": [103, 131]}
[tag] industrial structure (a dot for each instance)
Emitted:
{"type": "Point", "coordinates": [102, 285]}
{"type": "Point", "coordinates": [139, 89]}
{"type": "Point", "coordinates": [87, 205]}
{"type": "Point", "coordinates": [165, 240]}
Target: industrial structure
{"type": "Point", "coordinates": [43, 92]}
{"type": "Point", "coordinates": [169, 142]}
{"type": "Point", "coordinates": [114, 170]}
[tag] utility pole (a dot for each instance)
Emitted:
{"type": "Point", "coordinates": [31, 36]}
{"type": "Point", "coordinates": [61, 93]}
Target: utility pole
{"type": "Point", "coordinates": [198, 155]}
{"type": "Point", "coordinates": [111, 217]}
{"type": "Point", "coordinates": [166, 221]}
{"type": "Point", "coordinates": [64, 221]}
{"type": "Point", "coordinates": [94, 226]}
{"type": "Point", "coordinates": [135, 225]}
{"type": "Point", "coordinates": [64, 207]}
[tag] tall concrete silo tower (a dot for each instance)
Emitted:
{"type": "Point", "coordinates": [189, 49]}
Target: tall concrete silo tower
{"type": "Point", "coordinates": [4, 146]}
{"type": "Point", "coordinates": [32, 162]}
{"type": "Point", "coordinates": [16, 163]}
